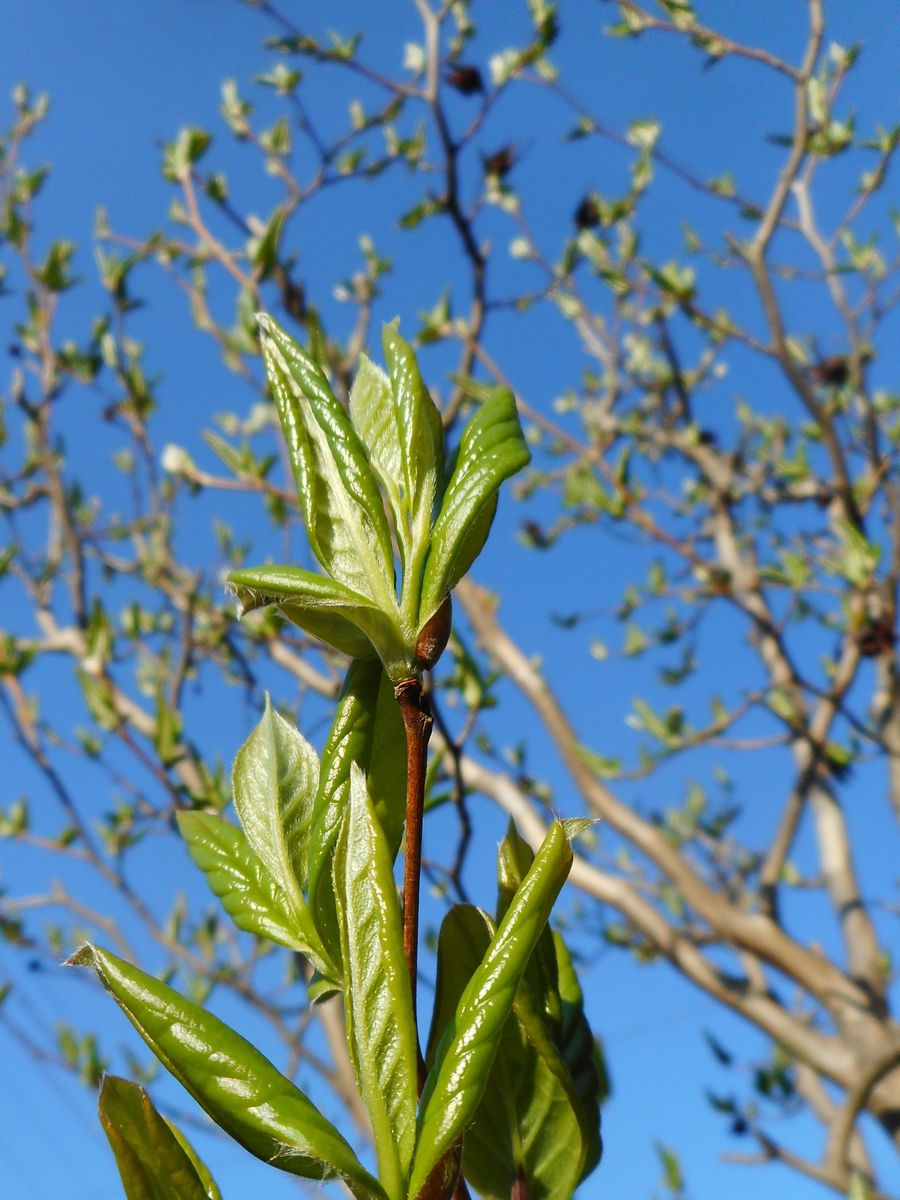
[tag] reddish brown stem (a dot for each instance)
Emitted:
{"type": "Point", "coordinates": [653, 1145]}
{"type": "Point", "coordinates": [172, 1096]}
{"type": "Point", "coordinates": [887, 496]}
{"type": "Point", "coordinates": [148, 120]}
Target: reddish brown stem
{"type": "Point", "coordinates": [417, 721]}
{"type": "Point", "coordinates": [521, 1190]}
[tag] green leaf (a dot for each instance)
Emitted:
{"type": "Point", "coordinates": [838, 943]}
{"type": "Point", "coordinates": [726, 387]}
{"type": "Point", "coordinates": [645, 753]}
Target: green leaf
{"type": "Point", "coordinates": [402, 431]}
{"type": "Point", "coordinates": [547, 1129]}
{"type": "Point", "coordinates": [539, 1111]}
{"type": "Point", "coordinates": [347, 620]}
{"type": "Point", "coordinates": [492, 448]}
{"type": "Point", "coordinates": [239, 1088]}
{"type": "Point", "coordinates": [420, 439]}
{"type": "Point", "coordinates": [203, 1171]}
{"type": "Point", "coordinates": [339, 497]}
{"type": "Point", "coordinates": [275, 779]}
{"type": "Point", "coordinates": [368, 730]}
{"type": "Point", "coordinates": [466, 1053]}
{"type": "Point", "coordinates": [580, 1053]}
{"type": "Point", "coordinates": [249, 894]}
{"type": "Point", "coordinates": [153, 1163]}
{"type": "Point", "coordinates": [380, 1028]}
{"type": "Point", "coordinates": [463, 941]}
{"type": "Point", "coordinates": [514, 860]}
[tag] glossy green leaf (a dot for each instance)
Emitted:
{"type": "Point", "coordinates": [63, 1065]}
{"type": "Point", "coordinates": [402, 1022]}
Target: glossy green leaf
{"type": "Point", "coordinates": [380, 1029]}
{"type": "Point", "coordinates": [275, 778]}
{"type": "Point", "coordinates": [420, 436]}
{"type": "Point", "coordinates": [529, 1120]}
{"type": "Point", "coordinates": [373, 416]}
{"type": "Point", "coordinates": [581, 1053]}
{"type": "Point", "coordinates": [153, 1163]}
{"type": "Point", "coordinates": [530, 1116]}
{"type": "Point", "coordinates": [514, 860]}
{"type": "Point", "coordinates": [249, 894]}
{"type": "Point", "coordinates": [463, 941]}
{"type": "Point", "coordinates": [466, 1053]}
{"type": "Point", "coordinates": [492, 448]}
{"type": "Point", "coordinates": [339, 497]}
{"type": "Point", "coordinates": [368, 730]}
{"type": "Point", "coordinates": [350, 622]}
{"type": "Point", "coordinates": [237, 1086]}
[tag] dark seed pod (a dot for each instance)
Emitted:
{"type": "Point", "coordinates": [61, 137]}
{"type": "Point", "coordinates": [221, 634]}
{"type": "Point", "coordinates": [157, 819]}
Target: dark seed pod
{"type": "Point", "coordinates": [434, 635]}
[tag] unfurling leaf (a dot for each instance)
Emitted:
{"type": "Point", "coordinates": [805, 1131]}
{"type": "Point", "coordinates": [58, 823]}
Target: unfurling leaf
{"type": "Point", "coordinates": [237, 1086]}
{"type": "Point", "coordinates": [465, 1055]}
{"type": "Point", "coordinates": [275, 778]}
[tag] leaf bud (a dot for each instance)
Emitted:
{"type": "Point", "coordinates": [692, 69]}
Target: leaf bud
{"type": "Point", "coordinates": [434, 635]}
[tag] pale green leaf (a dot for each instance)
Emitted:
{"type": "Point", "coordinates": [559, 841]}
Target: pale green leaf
{"type": "Point", "coordinates": [492, 448]}
{"type": "Point", "coordinates": [367, 730]}
{"type": "Point", "coordinates": [325, 608]}
{"type": "Point", "coordinates": [249, 894]}
{"type": "Point", "coordinates": [339, 497]}
{"type": "Point", "coordinates": [275, 778]}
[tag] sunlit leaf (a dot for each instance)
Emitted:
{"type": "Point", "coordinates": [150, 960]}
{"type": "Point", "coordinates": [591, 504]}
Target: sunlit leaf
{"type": "Point", "coordinates": [492, 448]}
{"type": "Point", "coordinates": [240, 1089]}
{"type": "Point", "coordinates": [248, 892]}
{"type": "Point", "coordinates": [275, 778]}
{"type": "Point", "coordinates": [380, 1029]}
{"type": "Point", "coordinates": [339, 497]}
{"type": "Point", "coordinates": [367, 730]}
{"type": "Point", "coordinates": [465, 1055]}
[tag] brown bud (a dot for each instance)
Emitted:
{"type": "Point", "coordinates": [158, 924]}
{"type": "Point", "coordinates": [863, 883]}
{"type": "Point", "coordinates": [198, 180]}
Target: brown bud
{"type": "Point", "coordinates": [467, 80]}
{"type": "Point", "coordinates": [501, 162]}
{"type": "Point", "coordinates": [434, 635]}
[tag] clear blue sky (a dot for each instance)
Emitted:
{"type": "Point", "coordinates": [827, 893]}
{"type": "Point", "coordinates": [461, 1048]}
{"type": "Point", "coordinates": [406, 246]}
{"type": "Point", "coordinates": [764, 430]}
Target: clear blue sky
{"type": "Point", "coordinates": [123, 77]}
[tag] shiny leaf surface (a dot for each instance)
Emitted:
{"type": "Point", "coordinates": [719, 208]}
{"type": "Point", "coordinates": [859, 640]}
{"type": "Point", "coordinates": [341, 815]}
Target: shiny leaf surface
{"type": "Point", "coordinates": [275, 778]}
{"type": "Point", "coordinates": [580, 1053]}
{"type": "Point", "coordinates": [368, 730]}
{"type": "Point", "coordinates": [237, 1086]}
{"type": "Point", "coordinates": [467, 1049]}
{"type": "Point", "coordinates": [249, 894]}
{"type": "Point", "coordinates": [339, 497]}
{"type": "Point", "coordinates": [514, 860]}
{"type": "Point", "coordinates": [328, 610]}
{"type": "Point", "coordinates": [492, 448]}
{"type": "Point", "coordinates": [380, 1030]}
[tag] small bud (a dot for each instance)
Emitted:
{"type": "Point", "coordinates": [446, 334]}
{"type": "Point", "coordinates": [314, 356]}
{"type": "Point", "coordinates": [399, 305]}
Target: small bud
{"type": "Point", "coordinates": [434, 635]}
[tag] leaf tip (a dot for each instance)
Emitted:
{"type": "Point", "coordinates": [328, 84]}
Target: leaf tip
{"type": "Point", "coordinates": [574, 827]}
{"type": "Point", "coordinates": [84, 956]}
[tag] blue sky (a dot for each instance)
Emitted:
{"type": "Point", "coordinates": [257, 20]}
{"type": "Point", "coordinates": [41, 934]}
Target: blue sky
{"type": "Point", "coordinates": [123, 77]}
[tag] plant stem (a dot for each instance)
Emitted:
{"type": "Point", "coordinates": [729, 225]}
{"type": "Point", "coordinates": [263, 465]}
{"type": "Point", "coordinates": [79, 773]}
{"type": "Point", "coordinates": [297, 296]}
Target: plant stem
{"type": "Point", "coordinates": [521, 1190]}
{"type": "Point", "coordinates": [417, 721]}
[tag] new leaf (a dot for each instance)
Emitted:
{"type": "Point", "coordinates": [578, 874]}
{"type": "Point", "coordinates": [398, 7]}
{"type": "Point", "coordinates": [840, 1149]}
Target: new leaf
{"type": "Point", "coordinates": [154, 1163]}
{"type": "Point", "coordinates": [465, 1056]}
{"type": "Point", "coordinates": [491, 450]}
{"type": "Point", "coordinates": [249, 894]}
{"type": "Point", "coordinates": [342, 507]}
{"type": "Point", "coordinates": [237, 1086]}
{"type": "Point", "coordinates": [380, 1029]}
